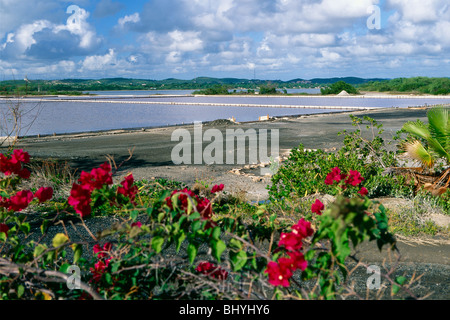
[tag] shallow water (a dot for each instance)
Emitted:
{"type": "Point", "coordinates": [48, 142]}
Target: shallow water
{"type": "Point", "coordinates": [42, 116]}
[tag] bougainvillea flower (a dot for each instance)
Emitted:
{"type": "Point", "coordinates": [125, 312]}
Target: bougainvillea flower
{"type": "Point", "coordinates": [279, 275]}
{"type": "Point", "coordinates": [363, 191]}
{"type": "Point", "coordinates": [303, 228]}
{"type": "Point", "coordinates": [4, 228]}
{"type": "Point", "coordinates": [354, 178]}
{"type": "Point", "coordinates": [212, 270]}
{"type": "Point", "coordinates": [99, 270]}
{"type": "Point", "coordinates": [297, 260]}
{"type": "Point", "coordinates": [80, 200]}
{"type": "Point", "coordinates": [317, 207]}
{"type": "Point", "coordinates": [44, 194]}
{"type": "Point", "coordinates": [13, 164]}
{"type": "Point", "coordinates": [102, 251]}
{"type": "Point", "coordinates": [127, 188]}
{"type": "Point", "coordinates": [217, 188]}
{"type": "Point", "coordinates": [334, 175]}
{"type": "Point", "coordinates": [136, 224]}
{"type": "Point", "coordinates": [204, 208]}
{"type": "Point", "coordinates": [291, 241]}
{"type": "Point", "coordinates": [20, 156]}
{"type": "Point", "coordinates": [20, 200]}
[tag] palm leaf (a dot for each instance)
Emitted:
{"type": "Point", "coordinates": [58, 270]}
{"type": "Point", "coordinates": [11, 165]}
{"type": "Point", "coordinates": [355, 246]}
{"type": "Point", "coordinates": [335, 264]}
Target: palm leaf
{"type": "Point", "coordinates": [417, 128]}
{"type": "Point", "coordinates": [416, 151]}
{"type": "Point", "coordinates": [439, 126]}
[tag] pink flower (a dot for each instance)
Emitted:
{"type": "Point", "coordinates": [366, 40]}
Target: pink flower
{"type": "Point", "coordinates": [317, 207]}
{"type": "Point", "coordinates": [217, 188]}
{"type": "Point", "coordinates": [44, 194]}
{"type": "Point", "coordinates": [363, 191]}
{"type": "Point", "coordinates": [20, 200]}
{"type": "Point", "coordinates": [334, 175]}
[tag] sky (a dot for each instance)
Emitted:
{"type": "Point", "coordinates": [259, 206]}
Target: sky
{"type": "Point", "coordinates": [185, 39]}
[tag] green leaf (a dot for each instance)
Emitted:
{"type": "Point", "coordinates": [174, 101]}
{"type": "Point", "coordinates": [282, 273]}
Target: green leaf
{"type": "Point", "coordinates": [192, 252]}
{"type": "Point", "coordinates": [238, 260]}
{"type": "Point", "coordinates": [25, 227]}
{"type": "Point", "coordinates": [157, 243]}
{"type": "Point", "coordinates": [64, 267]}
{"type": "Point", "coordinates": [218, 247]}
{"type": "Point", "coordinates": [2, 236]}
{"type": "Point", "coordinates": [77, 252]}
{"type": "Point", "coordinates": [59, 240]}
{"type": "Point", "coordinates": [134, 214]}
{"type": "Point", "coordinates": [40, 248]}
{"type": "Point", "coordinates": [44, 225]}
{"type": "Point", "coordinates": [216, 233]}
{"type": "Point", "coordinates": [20, 290]}
{"type": "Point", "coordinates": [180, 238]}
{"type": "Point", "coordinates": [235, 244]}
{"type": "Point", "coordinates": [310, 255]}
{"type": "Point", "coordinates": [400, 280]}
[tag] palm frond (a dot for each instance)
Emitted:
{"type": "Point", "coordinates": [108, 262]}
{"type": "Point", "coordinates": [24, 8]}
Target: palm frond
{"type": "Point", "coordinates": [439, 126]}
{"type": "Point", "coordinates": [414, 150]}
{"type": "Point", "coordinates": [418, 128]}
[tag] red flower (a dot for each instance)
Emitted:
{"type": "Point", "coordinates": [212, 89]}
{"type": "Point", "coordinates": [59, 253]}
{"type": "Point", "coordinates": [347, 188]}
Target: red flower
{"type": "Point", "coordinates": [363, 191]}
{"type": "Point", "coordinates": [136, 224]}
{"type": "Point", "coordinates": [217, 188]}
{"type": "Point", "coordinates": [212, 270]}
{"type": "Point", "coordinates": [317, 207]}
{"type": "Point", "coordinates": [20, 156]}
{"type": "Point", "coordinates": [297, 260]}
{"type": "Point", "coordinates": [291, 241]}
{"type": "Point", "coordinates": [303, 228]}
{"type": "Point", "coordinates": [279, 274]}
{"type": "Point", "coordinates": [13, 164]}
{"type": "Point", "coordinates": [204, 208]}
{"type": "Point", "coordinates": [4, 228]}
{"type": "Point", "coordinates": [44, 194]}
{"type": "Point", "coordinates": [80, 200]}
{"type": "Point", "coordinates": [128, 189]}
{"type": "Point", "coordinates": [334, 175]}
{"type": "Point", "coordinates": [20, 200]}
{"type": "Point", "coordinates": [102, 252]}
{"type": "Point", "coordinates": [354, 178]}
{"type": "Point", "coordinates": [99, 269]}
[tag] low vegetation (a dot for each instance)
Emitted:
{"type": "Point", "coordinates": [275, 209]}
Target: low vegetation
{"type": "Point", "coordinates": [165, 240]}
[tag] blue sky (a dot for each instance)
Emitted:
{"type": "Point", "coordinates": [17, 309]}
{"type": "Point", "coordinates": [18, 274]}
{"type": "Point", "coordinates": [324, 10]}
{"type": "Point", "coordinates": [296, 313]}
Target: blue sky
{"type": "Point", "coordinates": [272, 39]}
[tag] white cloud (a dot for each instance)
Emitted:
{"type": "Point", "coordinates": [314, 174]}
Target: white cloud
{"type": "Point", "coordinates": [97, 62]}
{"type": "Point", "coordinates": [133, 18]}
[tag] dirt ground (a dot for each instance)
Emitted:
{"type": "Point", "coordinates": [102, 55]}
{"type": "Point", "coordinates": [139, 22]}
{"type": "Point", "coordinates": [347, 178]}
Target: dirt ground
{"type": "Point", "coordinates": [152, 159]}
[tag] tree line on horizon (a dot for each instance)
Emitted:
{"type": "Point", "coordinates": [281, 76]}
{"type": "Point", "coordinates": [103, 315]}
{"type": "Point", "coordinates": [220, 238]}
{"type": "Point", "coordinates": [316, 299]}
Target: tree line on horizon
{"type": "Point", "coordinates": [206, 85]}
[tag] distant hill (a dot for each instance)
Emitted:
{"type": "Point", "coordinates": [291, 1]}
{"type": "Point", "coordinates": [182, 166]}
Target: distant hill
{"type": "Point", "coordinates": [349, 80]}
